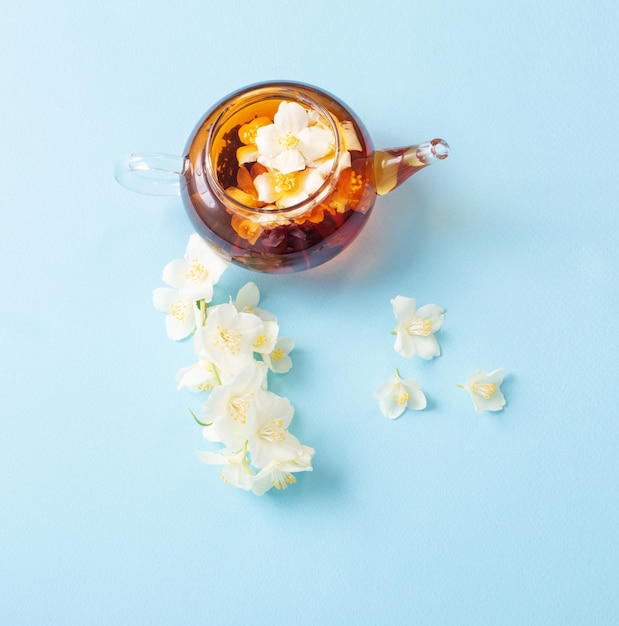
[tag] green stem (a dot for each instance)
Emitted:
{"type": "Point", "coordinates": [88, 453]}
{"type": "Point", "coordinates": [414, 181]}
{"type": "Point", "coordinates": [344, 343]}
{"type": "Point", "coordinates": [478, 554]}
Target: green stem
{"type": "Point", "coordinates": [203, 306]}
{"type": "Point", "coordinates": [195, 417]}
{"type": "Point", "coordinates": [216, 372]}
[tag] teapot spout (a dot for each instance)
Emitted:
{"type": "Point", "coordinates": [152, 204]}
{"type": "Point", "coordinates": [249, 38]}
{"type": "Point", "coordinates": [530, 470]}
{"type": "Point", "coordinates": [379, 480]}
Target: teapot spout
{"type": "Point", "coordinates": [393, 167]}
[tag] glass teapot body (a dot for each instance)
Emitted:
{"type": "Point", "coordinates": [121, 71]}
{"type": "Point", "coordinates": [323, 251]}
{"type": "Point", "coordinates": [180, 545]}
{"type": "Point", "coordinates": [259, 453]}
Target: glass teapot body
{"type": "Point", "coordinates": [279, 176]}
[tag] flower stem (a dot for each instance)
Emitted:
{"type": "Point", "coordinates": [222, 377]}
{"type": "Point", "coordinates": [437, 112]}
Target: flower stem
{"type": "Point", "coordinates": [195, 417]}
{"type": "Point", "coordinates": [216, 372]}
{"type": "Point", "coordinates": [203, 307]}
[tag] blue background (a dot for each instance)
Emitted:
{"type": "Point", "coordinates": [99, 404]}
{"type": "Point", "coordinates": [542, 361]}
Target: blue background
{"type": "Point", "coordinates": [441, 517]}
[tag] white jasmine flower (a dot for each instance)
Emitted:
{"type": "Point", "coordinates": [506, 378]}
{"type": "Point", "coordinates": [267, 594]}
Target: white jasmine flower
{"type": "Point", "coordinates": [267, 432]}
{"type": "Point", "coordinates": [235, 469]}
{"type": "Point", "coordinates": [198, 273]}
{"type": "Point", "coordinates": [227, 337]}
{"type": "Point", "coordinates": [485, 390]}
{"type": "Point", "coordinates": [230, 408]}
{"type": "Point", "coordinates": [350, 141]}
{"type": "Point", "coordinates": [286, 189]}
{"type": "Point", "coordinates": [247, 300]}
{"type": "Point", "coordinates": [278, 360]}
{"type": "Point", "coordinates": [180, 320]}
{"type": "Point", "coordinates": [265, 343]}
{"type": "Point", "coordinates": [280, 474]}
{"type": "Point", "coordinates": [395, 395]}
{"type": "Point", "coordinates": [247, 134]}
{"type": "Point", "coordinates": [290, 143]}
{"type": "Point", "coordinates": [416, 328]}
{"type": "Point", "coordinates": [201, 376]}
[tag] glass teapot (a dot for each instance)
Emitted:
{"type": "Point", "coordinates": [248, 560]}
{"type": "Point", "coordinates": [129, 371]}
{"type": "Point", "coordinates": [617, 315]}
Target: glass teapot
{"type": "Point", "coordinates": [278, 176]}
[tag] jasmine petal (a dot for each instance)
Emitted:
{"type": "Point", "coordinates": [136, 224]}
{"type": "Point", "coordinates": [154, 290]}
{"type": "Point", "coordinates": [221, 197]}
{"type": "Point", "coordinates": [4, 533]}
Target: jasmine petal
{"type": "Point", "coordinates": [180, 320]}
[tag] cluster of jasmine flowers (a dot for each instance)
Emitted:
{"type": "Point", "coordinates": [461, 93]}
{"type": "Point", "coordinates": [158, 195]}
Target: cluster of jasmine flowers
{"type": "Point", "coordinates": [236, 344]}
{"type": "Point", "coordinates": [415, 336]}
{"type": "Point", "coordinates": [285, 160]}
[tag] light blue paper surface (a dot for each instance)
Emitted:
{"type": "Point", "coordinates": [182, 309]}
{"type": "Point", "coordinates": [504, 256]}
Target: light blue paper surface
{"type": "Point", "coordinates": [440, 517]}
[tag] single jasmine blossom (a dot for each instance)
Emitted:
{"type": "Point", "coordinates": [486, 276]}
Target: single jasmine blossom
{"type": "Point", "coordinates": [227, 338]}
{"type": "Point", "coordinates": [350, 141]}
{"type": "Point", "coordinates": [290, 143]}
{"type": "Point", "coordinates": [247, 134]}
{"type": "Point", "coordinates": [201, 376]}
{"type": "Point", "coordinates": [485, 390]}
{"type": "Point", "coordinates": [267, 433]}
{"type": "Point", "coordinates": [287, 189]}
{"type": "Point", "coordinates": [274, 350]}
{"type": "Point", "coordinates": [229, 408]}
{"type": "Point", "coordinates": [236, 468]}
{"type": "Point", "coordinates": [396, 395]}
{"type": "Point", "coordinates": [247, 300]}
{"type": "Point", "coordinates": [180, 320]}
{"type": "Point", "coordinates": [248, 229]}
{"type": "Point", "coordinates": [416, 328]}
{"type": "Point", "coordinates": [278, 360]}
{"type": "Point", "coordinates": [198, 273]}
{"type": "Point", "coordinates": [245, 192]}
{"type": "Point", "coordinates": [241, 196]}
{"type": "Point", "coordinates": [280, 474]}
{"type": "Point", "coordinates": [265, 342]}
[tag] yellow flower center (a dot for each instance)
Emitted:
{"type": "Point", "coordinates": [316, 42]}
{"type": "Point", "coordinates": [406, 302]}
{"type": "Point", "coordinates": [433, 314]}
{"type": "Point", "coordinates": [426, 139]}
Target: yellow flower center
{"type": "Point", "coordinates": [262, 339]}
{"type": "Point", "coordinates": [281, 480]}
{"type": "Point", "coordinates": [288, 141]}
{"type": "Point", "coordinates": [246, 228]}
{"type": "Point", "coordinates": [196, 271]}
{"type": "Point", "coordinates": [484, 389]}
{"type": "Point", "coordinates": [277, 354]}
{"type": "Point", "coordinates": [400, 396]}
{"type": "Point", "coordinates": [285, 182]}
{"type": "Point", "coordinates": [419, 326]}
{"type": "Point", "coordinates": [248, 132]}
{"type": "Point", "coordinates": [273, 431]}
{"type": "Point", "coordinates": [238, 409]}
{"type": "Point", "coordinates": [249, 136]}
{"type": "Point", "coordinates": [179, 311]}
{"type": "Point", "coordinates": [227, 339]}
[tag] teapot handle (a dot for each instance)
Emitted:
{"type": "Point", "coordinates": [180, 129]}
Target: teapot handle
{"type": "Point", "coordinates": [151, 173]}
